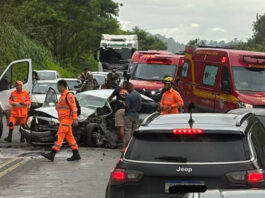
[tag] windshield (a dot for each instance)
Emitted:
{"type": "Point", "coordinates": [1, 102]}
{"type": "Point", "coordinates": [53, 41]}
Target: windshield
{"type": "Point", "coordinates": [153, 71]}
{"type": "Point", "coordinates": [172, 148]}
{"type": "Point", "coordinates": [72, 84]}
{"type": "Point", "coordinates": [115, 55]}
{"type": "Point", "coordinates": [42, 88]}
{"type": "Point", "coordinates": [131, 67]}
{"type": "Point", "coordinates": [89, 101]}
{"type": "Point", "coordinates": [249, 79]}
{"type": "Point", "coordinates": [47, 75]}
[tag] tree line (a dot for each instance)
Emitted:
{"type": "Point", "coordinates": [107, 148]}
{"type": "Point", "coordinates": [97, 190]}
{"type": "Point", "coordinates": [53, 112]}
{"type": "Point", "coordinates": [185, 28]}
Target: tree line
{"type": "Point", "coordinates": [70, 30]}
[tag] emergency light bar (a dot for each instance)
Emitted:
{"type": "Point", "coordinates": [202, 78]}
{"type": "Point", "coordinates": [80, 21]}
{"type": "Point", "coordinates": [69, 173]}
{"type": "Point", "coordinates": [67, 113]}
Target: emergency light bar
{"type": "Point", "coordinates": [254, 59]}
{"type": "Point", "coordinates": [158, 60]}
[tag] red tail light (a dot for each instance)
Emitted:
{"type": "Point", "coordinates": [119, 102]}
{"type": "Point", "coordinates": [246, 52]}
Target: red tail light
{"type": "Point", "coordinates": [121, 176]}
{"type": "Point", "coordinates": [187, 131]}
{"type": "Point", "coordinates": [118, 175]}
{"type": "Point", "coordinates": [255, 177]}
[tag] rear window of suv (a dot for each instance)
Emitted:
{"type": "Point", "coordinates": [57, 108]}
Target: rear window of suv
{"type": "Point", "coordinates": [188, 149]}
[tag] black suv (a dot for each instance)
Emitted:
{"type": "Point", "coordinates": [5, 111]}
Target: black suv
{"type": "Point", "coordinates": [168, 158]}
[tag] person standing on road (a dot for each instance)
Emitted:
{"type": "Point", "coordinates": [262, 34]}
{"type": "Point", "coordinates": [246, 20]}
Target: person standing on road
{"type": "Point", "coordinates": [120, 94]}
{"type": "Point", "coordinates": [132, 108]}
{"type": "Point", "coordinates": [19, 100]}
{"type": "Point", "coordinates": [67, 115]}
{"type": "Point", "coordinates": [171, 99]}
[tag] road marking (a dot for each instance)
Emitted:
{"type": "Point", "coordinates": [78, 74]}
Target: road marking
{"type": "Point", "coordinates": [7, 162]}
{"type": "Point", "coordinates": [24, 161]}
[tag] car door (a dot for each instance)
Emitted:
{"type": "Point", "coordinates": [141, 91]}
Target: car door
{"type": "Point", "coordinates": [51, 98]}
{"type": "Point", "coordinates": [16, 70]}
{"type": "Point", "coordinates": [206, 90]}
{"type": "Point", "coordinates": [224, 97]}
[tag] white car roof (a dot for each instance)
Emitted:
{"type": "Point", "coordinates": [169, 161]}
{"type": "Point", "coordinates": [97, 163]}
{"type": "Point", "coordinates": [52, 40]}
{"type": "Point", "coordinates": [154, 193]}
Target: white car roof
{"type": "Point", "coordinates": [46, 71]}
{"type": "Point", "coordinates": [69, 79]}
{"type": "Point", "coordinates": [46, 81]}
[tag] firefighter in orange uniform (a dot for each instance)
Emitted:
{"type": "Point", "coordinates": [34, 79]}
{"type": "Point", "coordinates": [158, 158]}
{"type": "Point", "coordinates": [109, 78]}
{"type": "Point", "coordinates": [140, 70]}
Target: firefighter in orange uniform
{"type": "Point", "coordinates": [171, 99]}
{"type": "Point", "coordinates": [67, 115]}
{"type": "Point", "coordinates": [19, 100]}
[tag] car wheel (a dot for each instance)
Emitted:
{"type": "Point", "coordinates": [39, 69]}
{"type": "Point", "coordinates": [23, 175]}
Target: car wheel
{"type": "Point", "coordinates": [93, 135]}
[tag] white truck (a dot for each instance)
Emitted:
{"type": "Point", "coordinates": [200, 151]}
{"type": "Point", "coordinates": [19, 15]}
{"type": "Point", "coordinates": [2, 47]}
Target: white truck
{"type": "Point", "coordinates": [116, 51]}
{"type": "Point", "coordinates": [16, 70]}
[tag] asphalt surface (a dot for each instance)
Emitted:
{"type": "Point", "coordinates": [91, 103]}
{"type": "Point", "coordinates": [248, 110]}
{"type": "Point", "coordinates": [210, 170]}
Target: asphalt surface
{"type": "Point", "coordinates": [24, 173]}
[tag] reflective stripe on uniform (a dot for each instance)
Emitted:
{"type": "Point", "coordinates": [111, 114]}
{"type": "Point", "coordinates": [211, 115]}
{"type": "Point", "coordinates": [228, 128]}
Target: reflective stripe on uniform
{"type": "Point", "coordinates": [63, 107]}
{"type": "Point", "coordinates": [66, 125]}
{"type": "Point", "coordinates": [73, 144]}
{"type": "Point", "coordinates": [56, 145]}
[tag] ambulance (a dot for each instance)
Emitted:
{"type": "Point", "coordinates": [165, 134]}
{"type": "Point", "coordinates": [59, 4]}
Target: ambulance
{"type": "Point", "coordinates": [149, 72]}
{"type": "Point", "coordinates": [219, 80]}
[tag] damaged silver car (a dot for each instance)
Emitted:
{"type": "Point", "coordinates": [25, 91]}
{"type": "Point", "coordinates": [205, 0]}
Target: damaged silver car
{"type": "Point", "coordinates": [96, 121]}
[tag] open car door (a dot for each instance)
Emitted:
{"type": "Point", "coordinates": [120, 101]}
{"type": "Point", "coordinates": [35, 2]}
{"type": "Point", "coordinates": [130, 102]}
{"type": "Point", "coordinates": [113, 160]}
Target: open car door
{"type": "Point", "coordinates": [16, 70]}
{"type": "Point", "coordinates": [51, 98]}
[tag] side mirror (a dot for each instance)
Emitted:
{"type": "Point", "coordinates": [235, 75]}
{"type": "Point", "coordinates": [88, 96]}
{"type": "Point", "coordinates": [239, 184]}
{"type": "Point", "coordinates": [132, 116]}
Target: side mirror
{"type": "Point", "coordinates": [226, 86]}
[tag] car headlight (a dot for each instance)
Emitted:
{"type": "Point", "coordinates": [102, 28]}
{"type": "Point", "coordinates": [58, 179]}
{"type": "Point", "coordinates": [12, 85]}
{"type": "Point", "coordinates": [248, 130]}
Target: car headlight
{"type": "Point", "coordinates": [53, 122]}
{"type": "Point", "coordinates": [244, 105]}
{"type": "Point", "coordinates": [29, 121]}
{"type": "Point", "coordinates": [81, 118]}
{"type": "Point", "coordinates": [153, 92]}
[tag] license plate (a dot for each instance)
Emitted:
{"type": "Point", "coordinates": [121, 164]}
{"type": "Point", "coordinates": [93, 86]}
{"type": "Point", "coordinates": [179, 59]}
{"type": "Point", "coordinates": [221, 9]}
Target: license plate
{"type": "Point", "coordinates": [179, 183]}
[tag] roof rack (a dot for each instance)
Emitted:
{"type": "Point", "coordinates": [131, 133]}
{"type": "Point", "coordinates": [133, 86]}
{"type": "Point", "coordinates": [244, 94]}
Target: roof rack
{"type": "Point", "coordinates": [217, 47]}
{"type": "Point", "coordinates": [241, 118]}
{"type": "Point", "coordinates": [150, 118]}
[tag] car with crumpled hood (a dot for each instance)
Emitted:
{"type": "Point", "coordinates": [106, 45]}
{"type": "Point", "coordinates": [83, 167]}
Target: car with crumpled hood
{"type": "Point", "coordinates": [96, 121]}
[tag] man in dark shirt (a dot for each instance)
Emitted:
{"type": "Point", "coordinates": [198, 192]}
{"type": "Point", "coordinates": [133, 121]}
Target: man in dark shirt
{"type": "Point", "coordinates": [132, 108]}
{"type": "Point", "coordinates": [119, 109]}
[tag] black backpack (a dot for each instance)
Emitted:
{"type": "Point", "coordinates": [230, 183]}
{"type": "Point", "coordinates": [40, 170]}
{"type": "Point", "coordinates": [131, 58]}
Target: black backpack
{"type": "Point", "coordinates": [76, 102]}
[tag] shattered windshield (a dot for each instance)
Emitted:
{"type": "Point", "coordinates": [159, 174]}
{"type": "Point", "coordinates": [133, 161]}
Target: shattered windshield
{"type": "Point", "coordinates": [90, 101]}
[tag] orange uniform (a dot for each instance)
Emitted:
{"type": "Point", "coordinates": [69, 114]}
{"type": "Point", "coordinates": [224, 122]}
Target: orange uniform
{"type": "Point", "coordinates": [67, 112]}
{"type": "Point", "coordinates": [19, 112]}
{"type": "Point", "coordinates": [171, 99]}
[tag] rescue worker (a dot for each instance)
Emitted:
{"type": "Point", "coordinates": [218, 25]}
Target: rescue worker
{"type": "Point", "coordinates": [19, 100]}
{"type": "Point", "coordinates": [171, 99]}
{"type": "Point", "coordinates": [67, 115]}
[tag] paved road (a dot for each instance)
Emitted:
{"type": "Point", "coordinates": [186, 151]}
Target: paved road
{"type": "Point", "coordinates": [24, 173]}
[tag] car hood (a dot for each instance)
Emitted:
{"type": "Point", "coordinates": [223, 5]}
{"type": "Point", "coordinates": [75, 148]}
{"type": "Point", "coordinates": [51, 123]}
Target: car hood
{"type": "Point", "coordinates": [251, 97]}
{"type": "Point", "coordinates": [148, 85]}
{"type": "Point", "coordinates": [51, 111]}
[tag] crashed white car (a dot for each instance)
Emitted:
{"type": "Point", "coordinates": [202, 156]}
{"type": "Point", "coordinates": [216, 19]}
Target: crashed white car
{"type": "Point", "coordinates": [96, 122]}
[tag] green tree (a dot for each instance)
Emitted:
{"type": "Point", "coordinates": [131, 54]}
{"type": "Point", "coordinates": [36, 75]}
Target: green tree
{"type": "Point", "coordinates": [195, 43]}
{"type": "Point", "coordinates": [70, 29]}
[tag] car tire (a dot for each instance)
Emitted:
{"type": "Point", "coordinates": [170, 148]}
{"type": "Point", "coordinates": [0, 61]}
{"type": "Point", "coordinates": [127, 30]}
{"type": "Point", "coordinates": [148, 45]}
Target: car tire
{"type": "Point", "coordinates": [90, 139]}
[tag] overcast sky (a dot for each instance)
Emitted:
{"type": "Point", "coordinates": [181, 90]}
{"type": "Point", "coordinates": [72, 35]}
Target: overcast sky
{"type": "Point", "coordinates": [189, 19]}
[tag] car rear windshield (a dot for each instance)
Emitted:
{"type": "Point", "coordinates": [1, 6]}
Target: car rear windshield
{"type": "Point", "coordinates": [182, 149]}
